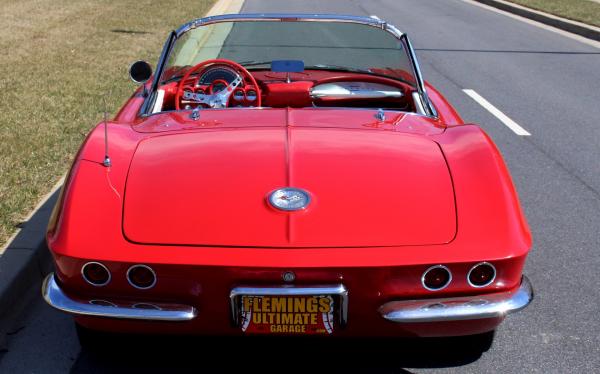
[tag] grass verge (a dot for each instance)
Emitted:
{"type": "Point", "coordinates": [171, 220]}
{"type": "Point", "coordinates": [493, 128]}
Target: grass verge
{"type": "Point", "coordinates": [586, 11]}
{"type": "Point", "coordinates": [60, 59]}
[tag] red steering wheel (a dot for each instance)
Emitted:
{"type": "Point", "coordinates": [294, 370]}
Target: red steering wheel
{"type": "Point", "coordinates": [219, 99]}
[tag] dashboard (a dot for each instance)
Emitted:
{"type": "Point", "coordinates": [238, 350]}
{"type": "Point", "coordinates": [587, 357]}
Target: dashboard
{"type": "Point", "coordinates": [310, 88]}
{"type": "Point", "coordinates": [216, 79]}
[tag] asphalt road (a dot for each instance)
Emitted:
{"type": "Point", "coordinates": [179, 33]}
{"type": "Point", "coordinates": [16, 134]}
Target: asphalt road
{"type": "Point", "coordinates": [545, 82]}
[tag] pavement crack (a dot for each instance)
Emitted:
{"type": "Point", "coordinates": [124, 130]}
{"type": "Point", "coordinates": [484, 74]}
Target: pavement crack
{"type": "Point", "coordinates": [15, 330]}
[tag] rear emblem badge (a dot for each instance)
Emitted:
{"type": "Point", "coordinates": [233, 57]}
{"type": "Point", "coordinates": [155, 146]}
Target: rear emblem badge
{"type": "Point", "coordinates": [289, 199]}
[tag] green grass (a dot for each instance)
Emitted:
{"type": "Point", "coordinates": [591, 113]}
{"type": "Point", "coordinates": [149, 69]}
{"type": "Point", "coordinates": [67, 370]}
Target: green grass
{"type": "Point", "coordinates": [59, 59]}
{"type": "Point", "coordinates": [585, 11]}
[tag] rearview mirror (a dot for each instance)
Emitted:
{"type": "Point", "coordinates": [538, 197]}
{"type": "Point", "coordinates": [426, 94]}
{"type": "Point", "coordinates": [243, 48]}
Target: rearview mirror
{"type": "Point", "coordinates": [140, 72]}
{"type": "Point", "coordinates": [287, 66]}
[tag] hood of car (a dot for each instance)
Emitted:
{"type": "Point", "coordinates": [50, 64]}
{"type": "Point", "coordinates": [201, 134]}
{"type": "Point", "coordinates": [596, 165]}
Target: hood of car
{"type": "Point", "coordinates": [358, 188]}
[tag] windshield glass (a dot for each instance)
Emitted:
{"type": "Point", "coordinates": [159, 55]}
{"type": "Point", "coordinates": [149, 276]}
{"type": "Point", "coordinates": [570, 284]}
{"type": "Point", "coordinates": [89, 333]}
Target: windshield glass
{"type": "Point", "coordinates": [320, 45]}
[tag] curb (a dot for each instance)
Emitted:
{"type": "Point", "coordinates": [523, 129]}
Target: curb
{"type": "Point", "coordinates": [24, 264]}
{"type": "Point", "coordinates": [574, 27]}
{"type": "Point", "coordinates": [25, 260]}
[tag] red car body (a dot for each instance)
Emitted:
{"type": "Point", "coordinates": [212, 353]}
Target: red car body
{"type": "Point", "coordinates": [391, 197]}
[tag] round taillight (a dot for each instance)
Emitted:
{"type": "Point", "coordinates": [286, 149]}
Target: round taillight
{"type": "Point", "coordinates": [481, 275]}
{"type": "Point", "coordinates": [436, 278]}
{"type": "Point", "coordinates": [95, 274]}
{"type": "Point", "coordinates": [141, 276]}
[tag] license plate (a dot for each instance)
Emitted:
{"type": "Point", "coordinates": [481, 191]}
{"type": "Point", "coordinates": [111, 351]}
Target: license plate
{"type": "Point", "coordinates": [287, 314]}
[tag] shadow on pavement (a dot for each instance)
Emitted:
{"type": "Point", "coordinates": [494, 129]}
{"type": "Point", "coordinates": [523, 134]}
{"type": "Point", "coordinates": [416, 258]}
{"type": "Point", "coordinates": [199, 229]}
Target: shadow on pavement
{"type": "Point", "coordinates": [275, 354]}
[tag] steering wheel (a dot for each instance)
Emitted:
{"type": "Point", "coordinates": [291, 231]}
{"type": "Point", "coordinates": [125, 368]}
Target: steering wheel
{"type": "Point", "coordinates": [218, 99]}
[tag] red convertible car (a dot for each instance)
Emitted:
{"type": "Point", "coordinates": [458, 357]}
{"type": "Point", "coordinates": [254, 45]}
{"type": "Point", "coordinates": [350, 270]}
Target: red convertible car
{"type": "Point", "coordinates": [288, 174]}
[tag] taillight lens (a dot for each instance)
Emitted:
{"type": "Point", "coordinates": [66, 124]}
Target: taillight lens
{"type": "Point", "coordinates": [141, 276]}
{"type": "Point", "coordinates": [436, 278]}
{"type": "Point", "coordinates": [95, 274]}
{"type": "Point", "coordinates": [481, 275]}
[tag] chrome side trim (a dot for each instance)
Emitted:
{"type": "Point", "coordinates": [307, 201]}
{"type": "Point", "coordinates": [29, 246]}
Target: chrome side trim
{"type": "Point", "coordinates": [287, 290]}
{"type": "Point", "coordinates": [56, 298]}
{"type": "Point", "coordinates": [459, 308]}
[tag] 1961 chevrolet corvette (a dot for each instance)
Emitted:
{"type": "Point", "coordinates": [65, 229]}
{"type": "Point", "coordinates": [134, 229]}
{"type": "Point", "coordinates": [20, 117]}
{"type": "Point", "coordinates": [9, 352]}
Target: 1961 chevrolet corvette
{"type": "Point", "coordinates": [288, 174]}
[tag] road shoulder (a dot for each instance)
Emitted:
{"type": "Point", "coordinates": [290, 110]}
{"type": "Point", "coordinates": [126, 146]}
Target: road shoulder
{"type": "Point", "coordinates": [23, 265]}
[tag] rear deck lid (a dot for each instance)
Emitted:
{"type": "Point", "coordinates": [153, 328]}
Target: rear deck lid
{"type": "Point", "coordinates": [367, 188]}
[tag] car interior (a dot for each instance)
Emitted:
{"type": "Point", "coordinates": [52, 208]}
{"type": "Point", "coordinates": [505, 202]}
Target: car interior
{"type": "Point", "coordinates": [221, 83]}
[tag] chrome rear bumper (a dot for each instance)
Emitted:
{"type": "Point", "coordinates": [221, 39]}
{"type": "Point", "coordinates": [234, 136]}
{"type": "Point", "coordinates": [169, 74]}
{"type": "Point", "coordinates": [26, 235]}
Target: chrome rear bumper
{"type": "Point", "coordinates": [55, 296]}
{"type": "Point", "coordinates": [406, 311]}
{"type": "Point", "coordinates": [459, 308]}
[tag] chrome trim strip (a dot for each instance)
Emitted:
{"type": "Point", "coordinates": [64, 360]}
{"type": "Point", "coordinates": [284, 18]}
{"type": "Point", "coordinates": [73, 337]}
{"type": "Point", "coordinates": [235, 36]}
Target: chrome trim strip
{"type": "Point", "coordinates": [141, 266]}
{"type": "Point", "coordinates": [345, 90]}
{"type": "Point", "coordinates": [488, 283]}
{"type": "Point", "coordinates": [459, 308]}
{"type": "Point", "coordinates": [436, 267]}
{"type": "Point", "coordinates": [56, 298]}
{"type": "Point", "coordinates": [94, 284]}
{"type": "Point", "coordinates": [390, 110]}
{"type": "Point", "coordinates": [418, 103]}
{"type": "Point", "coordinates": [162, 60]}
{"type": "Point", "coordinates": [287, 290]}
{"type": "Point", "coordinates": [281, 17]}
{"type": "Point", "coordinates": [431, 111]}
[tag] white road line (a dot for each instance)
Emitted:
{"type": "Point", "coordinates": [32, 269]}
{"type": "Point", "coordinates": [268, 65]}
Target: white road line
{"type": "Point", "coordinates": [497, 113]}
{"type": "Point", "coordinates": [567, 34]}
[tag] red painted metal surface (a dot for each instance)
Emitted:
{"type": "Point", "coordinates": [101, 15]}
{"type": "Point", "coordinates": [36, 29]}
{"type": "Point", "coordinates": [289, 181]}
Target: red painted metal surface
{"type": "Point", "coordinates": [391, 198]}
{"type": "Point", "coordinates": [394, 189]}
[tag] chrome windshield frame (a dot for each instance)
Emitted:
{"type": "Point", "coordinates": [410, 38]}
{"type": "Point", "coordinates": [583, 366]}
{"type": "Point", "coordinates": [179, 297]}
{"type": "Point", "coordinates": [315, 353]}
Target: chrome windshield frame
{"type": "Point", "coordinates": [162, 60]}
{"type": "Point", "coordinates": [280, 17]}
{"type": "Point", "coordinates": [290, 17]}
{"type": "Point", "coordinates": [429, 108]}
